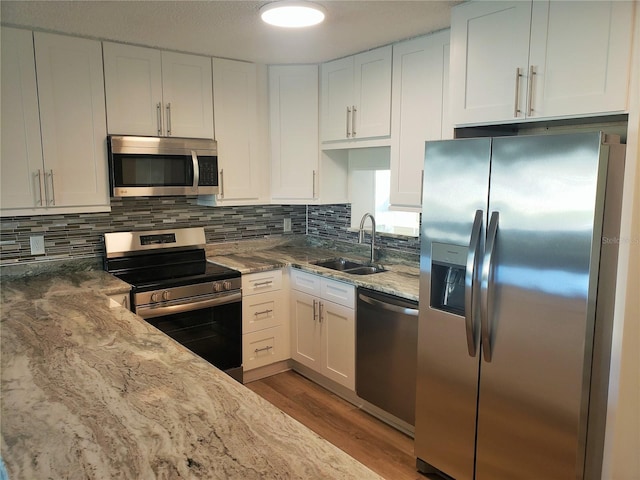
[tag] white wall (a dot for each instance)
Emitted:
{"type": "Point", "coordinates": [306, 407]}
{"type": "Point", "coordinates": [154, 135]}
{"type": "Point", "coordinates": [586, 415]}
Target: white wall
{"type": "Point", "coordinates": [622, 442]}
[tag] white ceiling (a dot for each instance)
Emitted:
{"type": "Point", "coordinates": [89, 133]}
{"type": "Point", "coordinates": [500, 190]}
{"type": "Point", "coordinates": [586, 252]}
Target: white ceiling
{"type": "Point", "coordinates": [232, 29]}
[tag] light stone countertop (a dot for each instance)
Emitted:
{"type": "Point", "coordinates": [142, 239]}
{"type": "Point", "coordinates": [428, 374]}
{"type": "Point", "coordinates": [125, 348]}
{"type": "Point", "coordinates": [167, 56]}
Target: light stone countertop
{"type": "Point", "coordinates": [401, 278]}
{"type": "Point", "coordinates": [93, 392]}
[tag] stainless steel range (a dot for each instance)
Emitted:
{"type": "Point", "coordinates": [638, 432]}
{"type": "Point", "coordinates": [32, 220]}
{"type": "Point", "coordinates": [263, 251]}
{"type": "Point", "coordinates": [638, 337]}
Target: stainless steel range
{"type": "Point", "coordinates": [175, 289]}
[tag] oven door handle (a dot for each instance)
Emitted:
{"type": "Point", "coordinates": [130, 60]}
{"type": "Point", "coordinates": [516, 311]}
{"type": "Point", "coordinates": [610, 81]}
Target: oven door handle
{"type": "Point", "coordinates": [158, 311]}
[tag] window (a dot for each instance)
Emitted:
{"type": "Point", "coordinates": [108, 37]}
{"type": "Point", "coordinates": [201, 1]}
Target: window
{"type": "Point", "coordinates": [370, 181]}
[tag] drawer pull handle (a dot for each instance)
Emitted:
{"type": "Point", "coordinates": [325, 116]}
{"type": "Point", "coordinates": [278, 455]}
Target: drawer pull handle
{"type": "Point", "coordinates": [263, 284]}
{"type": "Point", "coordinates": [264, 349]}
{"type": "Point", "coordinates": [264, 312]}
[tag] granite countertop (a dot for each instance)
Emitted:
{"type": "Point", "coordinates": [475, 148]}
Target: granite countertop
{"type": "Point", "coordinates": [91, 391]}
{"type": "Point", "coordinates": [401, 277]}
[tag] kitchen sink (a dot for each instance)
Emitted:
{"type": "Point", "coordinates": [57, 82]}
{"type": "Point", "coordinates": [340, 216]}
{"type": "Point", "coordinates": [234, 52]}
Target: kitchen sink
{"type": "Point", "coordinates": [349, 266]}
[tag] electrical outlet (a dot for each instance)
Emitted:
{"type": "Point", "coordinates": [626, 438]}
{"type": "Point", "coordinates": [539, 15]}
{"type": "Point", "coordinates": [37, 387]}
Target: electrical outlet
{"type": "Point", "coordinates": [37, 244]}
{"type": "Point", "coordinates": [287, 225]}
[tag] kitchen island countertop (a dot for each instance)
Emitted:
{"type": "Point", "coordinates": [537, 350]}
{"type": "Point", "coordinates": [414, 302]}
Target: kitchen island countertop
{"type": "Point", "coordinates": [91, 391]}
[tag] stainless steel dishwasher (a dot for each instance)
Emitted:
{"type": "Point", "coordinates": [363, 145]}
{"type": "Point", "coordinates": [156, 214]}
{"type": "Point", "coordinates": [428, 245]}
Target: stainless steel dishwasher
{"type": "Point", "coordinates": [386, 352]}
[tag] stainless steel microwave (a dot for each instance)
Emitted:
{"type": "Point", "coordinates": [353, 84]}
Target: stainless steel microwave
{"type": "Point", "coordinates": [162, 166]}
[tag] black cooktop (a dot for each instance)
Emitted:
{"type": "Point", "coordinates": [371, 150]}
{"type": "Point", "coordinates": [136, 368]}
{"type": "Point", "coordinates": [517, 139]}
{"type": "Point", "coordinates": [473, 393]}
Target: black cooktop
{"type": "Point", "coordinates": [168, 269]}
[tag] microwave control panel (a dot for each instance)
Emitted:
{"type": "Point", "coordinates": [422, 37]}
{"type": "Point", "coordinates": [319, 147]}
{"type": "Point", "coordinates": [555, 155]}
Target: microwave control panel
{"type": "Point", "coordinates": [208, 171]}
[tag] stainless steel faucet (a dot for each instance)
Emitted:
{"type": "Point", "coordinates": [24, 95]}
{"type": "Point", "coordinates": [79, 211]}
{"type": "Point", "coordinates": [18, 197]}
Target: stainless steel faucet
{"type": "Point", "coordinates": [373, 234]}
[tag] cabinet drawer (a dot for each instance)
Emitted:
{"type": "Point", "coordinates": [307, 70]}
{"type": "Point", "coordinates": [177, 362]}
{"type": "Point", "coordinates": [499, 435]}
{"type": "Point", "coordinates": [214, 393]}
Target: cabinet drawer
{"type": "Point", "coordinates": [263, 310]}
{"type": "Point", "coordinates": [305, 282]}
{"type": "Point", "coordinates": [338, 292]}
{"type": "Point", "coordinates": [261, 282]}
{"type": "Point", "coordinates": [264, 347]}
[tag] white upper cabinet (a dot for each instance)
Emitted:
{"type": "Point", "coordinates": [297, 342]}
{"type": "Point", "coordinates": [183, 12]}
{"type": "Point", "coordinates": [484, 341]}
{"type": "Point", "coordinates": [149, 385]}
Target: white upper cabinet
{"type": "Point", "coordinates": [579, 57]}
{"type": "Point", "coordinates": [240, 131]}
{"type": "Point", "coordinates": [57, 159]}
{"type": "Point", "coordinates": [293, 109]}
{"type": "Point", "coordinates": [151, 92]}
{"type": "Point", "coordinates": [418, 110]}
{"type": "Point", "coordinates": [356, 96]}
{"type": "Point", "coordinates": [512, 61]}
{"type": "Point", "coordinates": [70, 79]}
{"type": "Point", "coordinates": [21, 157]}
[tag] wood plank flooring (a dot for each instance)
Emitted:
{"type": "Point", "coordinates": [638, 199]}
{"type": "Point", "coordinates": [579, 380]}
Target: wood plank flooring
{"type": "Point", "coordinates": [382, 448]}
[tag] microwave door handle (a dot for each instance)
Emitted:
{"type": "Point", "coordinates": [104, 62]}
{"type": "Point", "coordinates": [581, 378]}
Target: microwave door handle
{"type": "Point", "coordinates": [196, 169]}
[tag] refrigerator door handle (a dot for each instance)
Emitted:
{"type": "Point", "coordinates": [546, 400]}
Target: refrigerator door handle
{"type": "Point", "coordinates": [487, 281]}
{"type": "Point", "coordinates": [470, 283]}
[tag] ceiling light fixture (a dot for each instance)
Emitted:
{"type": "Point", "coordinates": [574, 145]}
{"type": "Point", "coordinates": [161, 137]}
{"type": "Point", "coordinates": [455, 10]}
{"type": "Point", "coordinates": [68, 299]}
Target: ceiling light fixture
{"type": "Point", "coordinates": [292, 14]}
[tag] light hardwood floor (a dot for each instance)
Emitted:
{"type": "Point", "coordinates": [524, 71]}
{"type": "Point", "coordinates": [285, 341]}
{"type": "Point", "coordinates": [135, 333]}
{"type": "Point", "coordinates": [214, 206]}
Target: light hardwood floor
{"type": "Point", "coordinates": [382, 448]}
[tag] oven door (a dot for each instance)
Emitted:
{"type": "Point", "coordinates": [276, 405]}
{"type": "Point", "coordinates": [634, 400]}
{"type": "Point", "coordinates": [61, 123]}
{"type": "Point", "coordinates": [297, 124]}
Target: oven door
{"type": "Point", "coordinates": [210, 329]}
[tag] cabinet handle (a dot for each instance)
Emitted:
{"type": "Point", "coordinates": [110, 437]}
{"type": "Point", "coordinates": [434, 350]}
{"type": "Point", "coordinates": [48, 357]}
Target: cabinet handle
{"type": "Point", "coordinates": [159, 118]}
{"type": "Point", "coordinates": [353, 121]}
{"type": "Point", "coordinates": [263, 284]}
{"type": "Point", "coordinates": [348, 122]}
{"type": "Point", "coordinates": [314, 185]}
{"type": "Point", "coordinates": [125, 301]}
{"type": "Point", "coordinates": [264, 312]}
{"type": "Point", "coordinates": [39, 176]}
{"type": "Point", "coordinates": [53, 188]}
{"type": "Point", "coordinates": [421, 185]}
{"type": "Point", "coordinates": [321, 308]}
{"type": "Point", "coordinates": [517, 110]}
{"type": "Point", "coordinates": [169, 118]}
{"type": "Point", "coordinates": [264, 349]}
{"type": "Point", "coordinates": [315, 312]}
{"type": "Point", "coordinates": [532, 73]}
{"type": "Point", "coordinates": [221, 194]}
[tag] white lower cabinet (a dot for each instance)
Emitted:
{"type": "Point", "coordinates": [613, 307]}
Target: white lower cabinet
{"type": "Point", "coordinates": [265, 325]}
{"type": "Point", "coordinates": [323, 326]}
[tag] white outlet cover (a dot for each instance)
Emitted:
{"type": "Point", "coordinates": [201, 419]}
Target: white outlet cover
{"type": "Point", "coordinates": [37, 244]}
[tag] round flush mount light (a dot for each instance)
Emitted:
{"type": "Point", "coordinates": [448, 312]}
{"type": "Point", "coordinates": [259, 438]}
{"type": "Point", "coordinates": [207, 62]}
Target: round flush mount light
{"type": "Point", "coordinates": [292, 14]}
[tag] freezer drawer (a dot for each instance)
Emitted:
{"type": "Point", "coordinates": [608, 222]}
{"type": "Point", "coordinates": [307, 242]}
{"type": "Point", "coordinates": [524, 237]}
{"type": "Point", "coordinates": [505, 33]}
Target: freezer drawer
{"type": "Point", "coordinates": [386, 352]}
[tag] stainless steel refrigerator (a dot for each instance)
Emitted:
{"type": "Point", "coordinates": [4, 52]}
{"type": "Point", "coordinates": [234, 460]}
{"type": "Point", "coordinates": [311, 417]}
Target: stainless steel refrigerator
{"type": "Point", "coordinates": [518, 257]}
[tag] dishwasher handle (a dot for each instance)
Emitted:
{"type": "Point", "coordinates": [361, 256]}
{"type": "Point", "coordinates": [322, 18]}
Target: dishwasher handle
{"type": "Point", "coordinates": [388, 306]}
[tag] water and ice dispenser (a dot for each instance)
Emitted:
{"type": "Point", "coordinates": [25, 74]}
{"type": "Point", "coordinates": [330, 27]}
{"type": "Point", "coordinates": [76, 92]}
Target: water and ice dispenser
{"type": "Point", "coordinates": [448, 268]}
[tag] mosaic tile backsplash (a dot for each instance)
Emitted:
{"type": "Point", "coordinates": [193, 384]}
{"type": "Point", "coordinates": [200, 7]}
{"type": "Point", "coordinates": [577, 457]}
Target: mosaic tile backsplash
{"type": "Point", "coordinates": [332, 222]}
{"type": "Point", "coordinates": [81, 235]}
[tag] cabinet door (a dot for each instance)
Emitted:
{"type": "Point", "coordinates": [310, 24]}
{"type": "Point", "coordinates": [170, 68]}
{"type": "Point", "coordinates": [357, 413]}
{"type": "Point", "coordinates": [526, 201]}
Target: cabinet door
{"type": "Point", "coordinates": [579, 57]}
{"type": "Point", "coordinates": [489, 48]}
{"type": "Point", "coordinates": [305, 330]}
{"type": "Point", "coordinates": [70, 79]}
{"type": "Point", "coordinates": [133, 87]}
{"type": "Point", "coordinates": [187, 94]}
{"type": "Point", "coordinates": [235, 93]}
{"type": "Point", "coordinates": [293, 102]}
{"type": "Point", "coordinates": [336, 97]}
{"type": "Point", "coordinates": [418, 72]}
{"type": "Point", "coordinates": [371, 115]}
{"type": "Point", "coordinates": [21, 157]}
{"type": "Point", "coordinates": [338, 343]}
